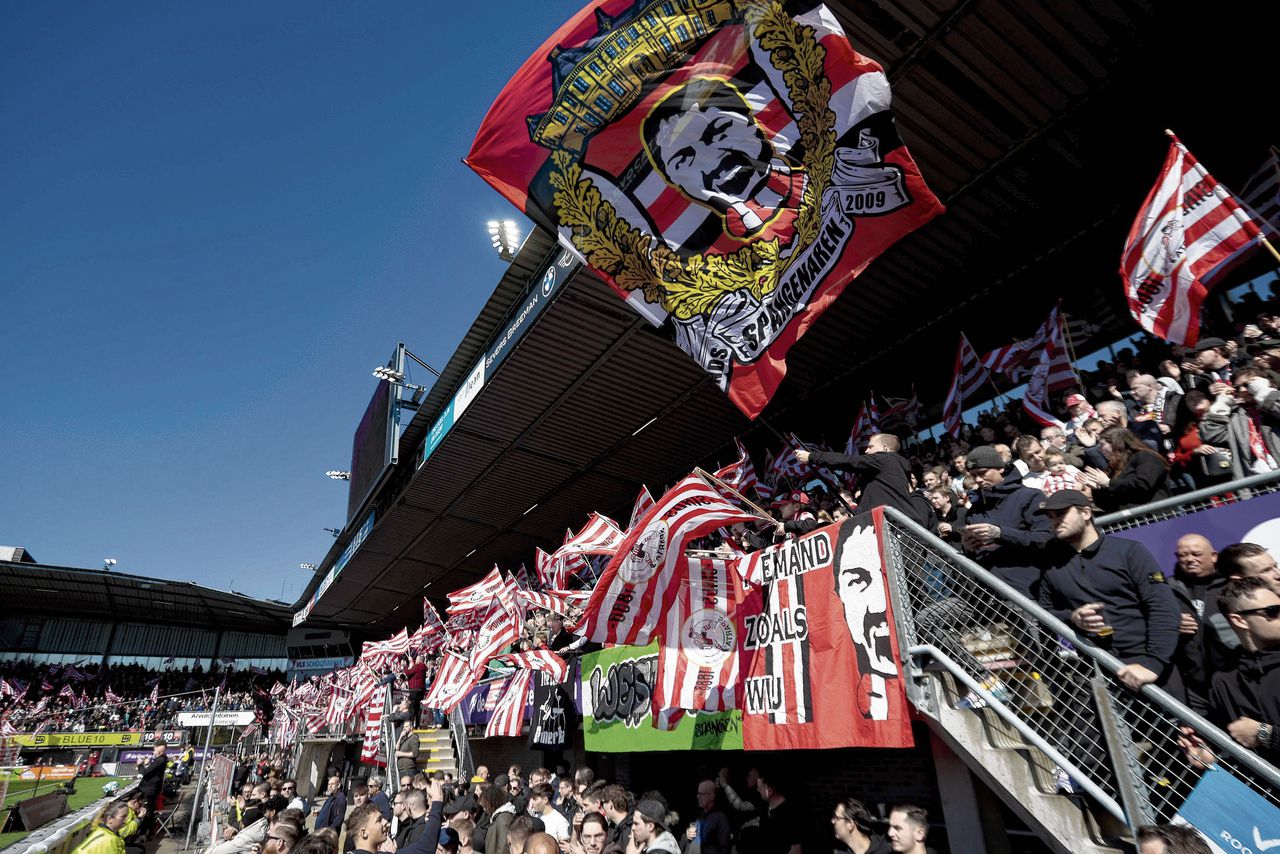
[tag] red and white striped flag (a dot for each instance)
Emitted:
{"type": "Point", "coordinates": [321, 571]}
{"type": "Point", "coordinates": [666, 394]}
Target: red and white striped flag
{"type": "Point", "coordinates": [637, 585]}
{"type": "Point", "coordinates": [698, 659]}
{"type": "Point", "coordinates": [1190, 230]}
{"type": "Point", "coordinates": [741, 473]}
{"type": "Point", "coordinates": [369, 752]}
{"type": "Point", "coordinates": [155, 692]}
{"type": "Point", "coordinates": [1035, 400]}
{"type": "Point", "coordinates": [550, 571]}
{"type": "Point", "coordinates": [7, 729]}
{"type": "Point", "coordinates": [521, 578]}
{"type": "Point", "coordinates": [600, 536]}
{"type": "Point", "coordinates": [508, 715]}
{"type": "Point", "coordinates": [454, 679]}
{"type": "Point", "coordinates": [6, 690]}
{"type": "Point", "coordinates": [861, 432]}
{"type": "Point", "coordinates": [476, 596]}
{"type": "Point", "coordinates": [970, 373]}
{"type": "Point", "coordinates": [643, 502]}
{"type": "Point", "coordinates": [539, 659]}
{"type": "Point", "coordinates": [906, 408]}
{"type": "Point", "coordinates": [111, 696]}
{"type": "Point", "coordinates": [500, 629]}
{"type": "Point", "coordinates": [67, 692]}
{"type": "Point", "coordinates": [559, 601]}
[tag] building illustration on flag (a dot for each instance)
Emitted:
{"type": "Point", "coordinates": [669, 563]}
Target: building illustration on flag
{"type": "Point", "coordinates": [729, 169]}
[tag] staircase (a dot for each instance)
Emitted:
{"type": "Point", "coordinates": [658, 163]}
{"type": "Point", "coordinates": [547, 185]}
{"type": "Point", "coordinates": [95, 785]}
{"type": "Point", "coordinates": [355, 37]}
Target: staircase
{"type": "Point", "coordinates": [437, 753]}
{"type": "Point", "coordinates": [1018, 772]}
{"type": "Point", "coordinates": [1035, 714]}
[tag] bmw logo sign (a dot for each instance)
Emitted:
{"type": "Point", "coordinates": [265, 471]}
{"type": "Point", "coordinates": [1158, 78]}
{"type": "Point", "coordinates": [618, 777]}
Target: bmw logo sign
{"type": "Point", "coordinates": [549, 282]}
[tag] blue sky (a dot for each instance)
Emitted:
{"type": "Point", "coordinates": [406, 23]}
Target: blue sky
{"type": "Point", "coordinates": [217, 219]}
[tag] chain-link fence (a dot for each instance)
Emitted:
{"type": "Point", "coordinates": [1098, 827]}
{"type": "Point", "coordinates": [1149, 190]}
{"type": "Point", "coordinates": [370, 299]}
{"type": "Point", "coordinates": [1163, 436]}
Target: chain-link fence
{"type": "Point", "coordinates": [1000, 652]}
{"type": "Point", "coordinates": [1191, 502]}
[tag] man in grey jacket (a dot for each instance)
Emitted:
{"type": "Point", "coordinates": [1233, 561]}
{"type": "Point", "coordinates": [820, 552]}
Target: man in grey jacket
{"type": "Point", "coordinates": [1246, 422]}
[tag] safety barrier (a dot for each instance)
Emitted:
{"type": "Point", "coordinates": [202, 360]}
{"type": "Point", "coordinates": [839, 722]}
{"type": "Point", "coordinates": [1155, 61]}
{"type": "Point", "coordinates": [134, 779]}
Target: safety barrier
{"type": "Point", "coordinates": [62, 836]}
{"type": "Point", "coordinates": [1191, 502]}
{"type": "Point", "coordinates": [1062, 696]}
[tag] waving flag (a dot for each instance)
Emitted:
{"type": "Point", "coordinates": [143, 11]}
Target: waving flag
{"type": "Point", "coordinates": [1048, 371]}
{"type": "Point", "coordinates": [1189, 231]}
{"type": "Point", "coordinates": [431, 635]}
{"type": "Point", "coordinates": [67, 693]}
{"type": "Point", "coordinates": [539, 659]}
{"type": "Point", "coordinates": [740, 474]}
{"type": "Point", "coordinates": [698, 658]}
{"type": "Point", "coordinates": [643, 502]}
{"type": "Point", "coordinates": [559, 601]}
{"type": "Point", "coordinates": [476, 596]}
{"type": "Point", "coordinates": [500, 629]}
{"type": "Point", "coordinates": [864, 427]}
{"type": "Point", "coordinates": [1261, 193]}
{"type": "Point", "coordinates": [508, 714]}
{"type": "Point", "coordinates": [112, 697]}
{"type": "Point", "coordinates": [6, 690]}
{"type": "Point", "coordinates": [969, 375]}
{"type": "Point", "coordinates": [636, 587]}
{"type": "Point", "coordinates": [600, 536]}
{"type": "Point", "coordinates": [454, 679]}
{"type": "Point", "coordinates": [369, 754]}
{"type": "Point", "coordinates": [155, 692]}
{"type": "Point", "coordinates": [728, 167]}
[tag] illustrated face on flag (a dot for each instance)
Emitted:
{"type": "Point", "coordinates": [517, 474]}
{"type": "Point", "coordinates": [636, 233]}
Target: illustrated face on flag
{"type": "Point", "coordinates": [727, 167]}
{"type": "Point", "coordinates": [819, 660]}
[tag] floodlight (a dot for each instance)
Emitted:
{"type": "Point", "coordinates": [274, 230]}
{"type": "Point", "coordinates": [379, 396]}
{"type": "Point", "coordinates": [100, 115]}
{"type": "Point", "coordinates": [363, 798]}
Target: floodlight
{"type": "Point", "coordinates": [338, 475]}
{"type": "Point", "coordinates": [505, 237]}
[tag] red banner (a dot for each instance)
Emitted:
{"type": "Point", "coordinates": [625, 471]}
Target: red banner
{"type": "Point", "coordinates": [729, 167]}
{"type": "Point", "coordinates": [820, 664]}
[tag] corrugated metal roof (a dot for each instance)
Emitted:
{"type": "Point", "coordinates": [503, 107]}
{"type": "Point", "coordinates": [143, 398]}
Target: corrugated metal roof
{"type": "Point", "coordinates": [1039, 125]}
{"type": "Point", "coordinates": [29, 588]}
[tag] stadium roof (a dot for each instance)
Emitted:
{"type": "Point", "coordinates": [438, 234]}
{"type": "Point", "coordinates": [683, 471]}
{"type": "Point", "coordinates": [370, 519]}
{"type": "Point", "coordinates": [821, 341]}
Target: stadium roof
{"type": "Point", "coordinates": [1039, 125]}
{"type": "Point", "coordinates": [59, 591]}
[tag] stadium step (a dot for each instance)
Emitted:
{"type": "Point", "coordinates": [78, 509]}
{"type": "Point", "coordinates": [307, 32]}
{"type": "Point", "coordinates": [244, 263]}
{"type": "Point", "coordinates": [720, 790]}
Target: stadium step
{"type": "Point", "coordinates": [437, 753]}
{"type": "Point", "coordinates": [1020, 774]}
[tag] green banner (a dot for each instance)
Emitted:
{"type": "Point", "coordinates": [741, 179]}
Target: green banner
{"type": "Point", "coordinates": [617, 696]}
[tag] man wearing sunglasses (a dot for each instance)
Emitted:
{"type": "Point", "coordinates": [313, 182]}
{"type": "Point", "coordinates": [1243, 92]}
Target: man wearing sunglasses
{"type": "Point", "coordinates": [1246, 701]}
{"type": "Point", "coordinates": [1113, 591]}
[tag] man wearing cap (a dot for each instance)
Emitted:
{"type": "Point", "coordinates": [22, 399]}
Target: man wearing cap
{"type": "Point", "coordinates": [796, 521]}
{"type": "Point", "coordinates": [649, 830]}
{"type": "Point", "coordinates": [1080, 411]}
{"type": "Point", "coordinates": [1113, 591]}
{"type": "Point", "coordinates": [1002, 531]}
{"type": "Point", "coordinates": [883, 473]}
{"type": "Point", "coordinates": [1212, 364]}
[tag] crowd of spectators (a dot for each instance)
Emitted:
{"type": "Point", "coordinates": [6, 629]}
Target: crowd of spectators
{"type": "Point", "coordinates": [38, 697]}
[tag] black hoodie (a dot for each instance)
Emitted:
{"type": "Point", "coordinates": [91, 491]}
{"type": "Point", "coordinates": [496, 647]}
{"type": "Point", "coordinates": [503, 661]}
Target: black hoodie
{"type": "Point", "coordinates": [1015, 557]}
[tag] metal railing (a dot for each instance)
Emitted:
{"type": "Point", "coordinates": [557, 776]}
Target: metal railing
{"type": "Point", "coordinates": [1191, 502]}
{"type": "Point", "coordinates": [1060, 695]}
{"type": "Point", "coordinates": [461, 744]}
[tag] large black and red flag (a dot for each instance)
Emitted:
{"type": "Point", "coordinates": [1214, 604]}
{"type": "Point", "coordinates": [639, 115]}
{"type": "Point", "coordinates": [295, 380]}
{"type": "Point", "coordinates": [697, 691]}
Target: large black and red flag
{"type": "Point", "coordinates": [729, 166]}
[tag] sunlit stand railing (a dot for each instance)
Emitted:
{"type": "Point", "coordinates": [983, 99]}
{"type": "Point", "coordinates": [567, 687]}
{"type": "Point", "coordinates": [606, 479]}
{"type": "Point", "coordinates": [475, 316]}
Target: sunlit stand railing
{"type": "Point", "coordinates": [1060, 695]}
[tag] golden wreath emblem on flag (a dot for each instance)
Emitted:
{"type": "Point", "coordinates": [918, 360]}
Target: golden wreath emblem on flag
{"type": "Point", "coordinates": [688, 287]}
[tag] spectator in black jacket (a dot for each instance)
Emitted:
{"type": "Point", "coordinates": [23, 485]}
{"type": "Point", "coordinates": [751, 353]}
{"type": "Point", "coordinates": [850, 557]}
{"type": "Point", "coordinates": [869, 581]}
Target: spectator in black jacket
{"type": "Point", "coordinates": [335, 806]}
{"type": "Point", "coordinates": [1111, 589]}
{"type": "Point", "coordinates": [1136, 474]}
{"type": "Point", "coordinates": [1206, 642]}
{"type": "Point", "coordinates": [709, 833]}
{"type": "Point", "coordinates": [151, 785]}
{"type": "Point", "coordinates": [883, 474]}
{"type": "Point", "coordinates": [1002, 531]}
{"type": "Point", "coordinates": [1246, 701]}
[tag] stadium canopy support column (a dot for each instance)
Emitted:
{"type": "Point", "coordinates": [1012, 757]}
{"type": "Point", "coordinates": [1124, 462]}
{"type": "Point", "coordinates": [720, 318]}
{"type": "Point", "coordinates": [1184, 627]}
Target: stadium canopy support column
{"type": "Point", "coordinates": [967, 815]}
{"type": "Point", "coordinates": [208, 741]}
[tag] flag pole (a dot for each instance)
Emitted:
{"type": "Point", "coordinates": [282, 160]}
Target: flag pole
{"type": "Point", "coordinates": [712, 480]}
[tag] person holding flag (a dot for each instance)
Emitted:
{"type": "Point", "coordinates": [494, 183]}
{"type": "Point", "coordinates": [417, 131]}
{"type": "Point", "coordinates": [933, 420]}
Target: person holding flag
{"type": "Point", "coordinates": [883, 474]}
